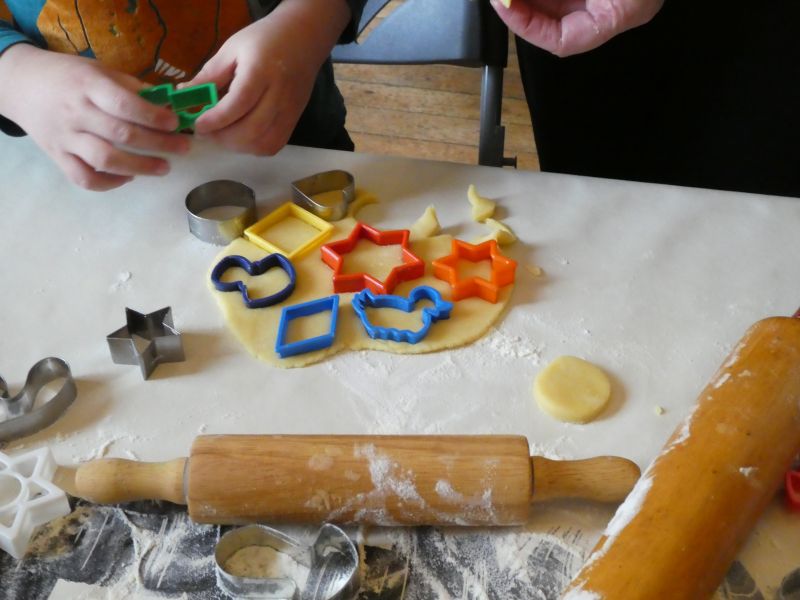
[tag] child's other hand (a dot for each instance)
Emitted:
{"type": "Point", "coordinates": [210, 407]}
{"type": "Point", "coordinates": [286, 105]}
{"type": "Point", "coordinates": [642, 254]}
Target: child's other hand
{"type": "Point", "coordinates": [80, 112]}
{"type": "Point", "coordinates": [269, 69]}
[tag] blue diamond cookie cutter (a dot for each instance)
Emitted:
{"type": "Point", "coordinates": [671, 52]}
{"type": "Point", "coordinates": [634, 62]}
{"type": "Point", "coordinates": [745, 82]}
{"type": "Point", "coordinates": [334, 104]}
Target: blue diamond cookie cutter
{"type": "Point", "coordinates": [306, 309]}
{"type": "Point", "coordinates": [256, 268]}
{"type": "Point", "coordinates": [430, 314]}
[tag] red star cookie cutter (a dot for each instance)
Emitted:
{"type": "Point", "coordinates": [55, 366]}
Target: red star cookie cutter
{"type": "Point", "coordinates": [793, 489]}
{"type": "Point", "coordinates": [503, 270]}
{"type": "Point", "coordinates": [333, 255]}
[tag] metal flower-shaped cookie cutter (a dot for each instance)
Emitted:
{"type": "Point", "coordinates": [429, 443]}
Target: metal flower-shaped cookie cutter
{"type": "Point", "coordinates": [304, 190]}
{"type": "Point", "coordinates": [332, 563]}
{"type": "Point", "coordinates": [22, 418]}
{"type": "Point", "coordinates": [234, 207]}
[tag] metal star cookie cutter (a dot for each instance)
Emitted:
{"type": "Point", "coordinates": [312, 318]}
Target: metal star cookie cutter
{"type": "Point", "coordinates": [225, 197]}
{"type": "Point", "coordinates": [332, 562]}
{"type": "Point", "coordinates": [304, 190]}
{"type": "Point", "coordinates": [146, 340]}
{"type": "Point", "coordinates": [22, 419]}
{"type": "Point", "coordinates": [27, 498]}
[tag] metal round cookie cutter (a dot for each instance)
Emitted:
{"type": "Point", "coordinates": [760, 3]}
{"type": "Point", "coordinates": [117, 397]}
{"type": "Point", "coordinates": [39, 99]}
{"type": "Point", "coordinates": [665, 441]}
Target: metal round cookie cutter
{"type": "Point", "coordinates": [224, 224]}
{"type": "Point", "coordinates": [332, 562]}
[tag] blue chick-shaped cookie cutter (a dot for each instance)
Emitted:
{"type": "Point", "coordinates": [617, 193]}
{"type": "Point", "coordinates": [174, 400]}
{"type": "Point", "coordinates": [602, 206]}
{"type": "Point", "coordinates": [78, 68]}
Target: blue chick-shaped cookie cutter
{"type": "Point", "coordinates": [366, 299]}
{"type": "Point", "coordinates": [254, 268]}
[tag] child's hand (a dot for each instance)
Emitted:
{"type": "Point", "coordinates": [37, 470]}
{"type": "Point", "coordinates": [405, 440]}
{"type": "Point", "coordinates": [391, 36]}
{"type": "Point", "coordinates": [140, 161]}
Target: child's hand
{"type": "Point", "coordinates": [78, 111]}
{"type": "Point", "coordinates": [269, 69]}
{"type": "Point", "coordinates": [566, 27]}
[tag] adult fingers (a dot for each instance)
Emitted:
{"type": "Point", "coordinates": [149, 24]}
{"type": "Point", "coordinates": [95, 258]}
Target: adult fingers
{"type": "Point", "coordinates": [115, 99]}
{"type": "Point", "coordinates": [102, 156]}
{"type": "Point", "coordinates": [82, 175]}
{"type": "Point", "coordinates": [566, 29]}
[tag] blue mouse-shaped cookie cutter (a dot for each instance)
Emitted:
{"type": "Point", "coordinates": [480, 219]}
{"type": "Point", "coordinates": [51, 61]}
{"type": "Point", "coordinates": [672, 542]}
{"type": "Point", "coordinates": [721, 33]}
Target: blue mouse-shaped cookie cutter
{"type": "Point", "coordinates": [366, 299]}
{"type": "Point", "coordinates": [254, 268]}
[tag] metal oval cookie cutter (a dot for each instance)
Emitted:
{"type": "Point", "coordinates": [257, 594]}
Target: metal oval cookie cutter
{"type": "Point", "coordinates": [332, 562]}
{"type": "Point", "coordinates": [234, 210]}
{"type": "Point", "coordinates": [304, 190]}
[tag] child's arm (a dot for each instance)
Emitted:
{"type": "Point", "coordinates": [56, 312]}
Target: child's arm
{"type": "Point", "coordinates": [78, 111]}
{"type": "Point", "coordinates": [269, 69]}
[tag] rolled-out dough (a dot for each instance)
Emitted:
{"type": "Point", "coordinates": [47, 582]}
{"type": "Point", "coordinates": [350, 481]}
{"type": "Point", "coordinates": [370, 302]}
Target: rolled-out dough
{"type": "Point", "coordinates": [256, 329]}
{"type": "Point", "coordinates": [572, 389]}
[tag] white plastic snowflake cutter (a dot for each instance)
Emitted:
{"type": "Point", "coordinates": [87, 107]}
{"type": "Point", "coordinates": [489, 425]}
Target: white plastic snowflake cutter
{"type": "Point", "coordinates": [27, 498]}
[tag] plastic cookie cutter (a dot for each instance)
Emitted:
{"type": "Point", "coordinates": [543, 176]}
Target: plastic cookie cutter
{"type": "Point", "coordinates": [793, 489]}
{"type": "Point", "coordinates": [430, 314]}
{"type": "Point", "coordinates": [219, 211]}
{"type": "Point", "coordinates": [338, 187]}
{"type": "Point", "coordinates": [256, 268]}
{"type": "Point", "coordinates": [333, 255]}
{"type": "Point", "coordinates": [326, 570]}
{"type": "Point", "coordinates": [22, 419]}
{"type": "Point", "coordinates": [27, 498]}
{"type": "Point", "coordinates": [146, 340]}
{"type": "Point", "coordinates": [188, 103]}
{"type": "Point", "coordinates": [264, 233]}
{"type": "Point", "coordinates": [503, 270]}
{"type": "Point", "coordinates": [306, 309]}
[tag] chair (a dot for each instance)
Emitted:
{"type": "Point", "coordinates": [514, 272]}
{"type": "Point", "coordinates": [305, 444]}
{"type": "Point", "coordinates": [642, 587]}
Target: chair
{"type": "Point", "coordinates": [465, 33]}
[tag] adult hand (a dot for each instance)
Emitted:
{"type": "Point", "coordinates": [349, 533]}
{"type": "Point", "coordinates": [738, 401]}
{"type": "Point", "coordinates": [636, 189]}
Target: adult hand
{"type": "Point", "coordinates": [80, 113]}
{"type": "Point", "coordinates": [269, 69]}
{"type": "Point", "coordinates": [566, 27]}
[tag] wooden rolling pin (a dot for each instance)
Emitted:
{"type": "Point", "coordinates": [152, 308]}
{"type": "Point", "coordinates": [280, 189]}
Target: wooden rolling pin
{"type": "Point", "coordinates": [384, 480]}
{"type": "Point", "coordinates": [685, 521]}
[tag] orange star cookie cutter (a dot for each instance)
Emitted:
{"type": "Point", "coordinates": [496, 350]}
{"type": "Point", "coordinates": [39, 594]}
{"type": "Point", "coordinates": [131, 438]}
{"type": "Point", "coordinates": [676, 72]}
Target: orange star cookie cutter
{"type": "Point", "coordinates": [333, 255]}
{"type": "Point", "coordinates": [503, 270]}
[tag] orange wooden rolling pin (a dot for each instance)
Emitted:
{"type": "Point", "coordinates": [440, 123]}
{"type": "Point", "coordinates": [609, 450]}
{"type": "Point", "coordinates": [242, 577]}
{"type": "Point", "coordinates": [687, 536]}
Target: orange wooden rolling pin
{"type": "Point", "coordinates": [677, 533]}
{"type": "Point", "coordinates": [384, 480]}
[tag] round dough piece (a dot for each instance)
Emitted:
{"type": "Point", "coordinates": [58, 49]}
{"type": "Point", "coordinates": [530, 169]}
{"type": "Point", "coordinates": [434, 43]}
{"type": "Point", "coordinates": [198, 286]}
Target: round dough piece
{"type": "Point", "coordinates": [572, 389]}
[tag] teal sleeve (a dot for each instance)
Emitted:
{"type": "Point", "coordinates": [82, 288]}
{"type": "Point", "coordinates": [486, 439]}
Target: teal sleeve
{"type": "Point", "coordinates": [9, 36]}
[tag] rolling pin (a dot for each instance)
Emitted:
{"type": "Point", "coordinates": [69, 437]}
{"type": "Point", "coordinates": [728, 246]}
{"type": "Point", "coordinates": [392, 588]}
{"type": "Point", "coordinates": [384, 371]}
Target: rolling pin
{"type": "Point", "coordinates": [382, 480]}
{"type": "Point", "coordinates": [683, 524]}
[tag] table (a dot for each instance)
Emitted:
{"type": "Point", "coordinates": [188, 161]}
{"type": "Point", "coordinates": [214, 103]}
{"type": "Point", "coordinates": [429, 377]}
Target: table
{"type": "Point", "coordinates": [652, 283]}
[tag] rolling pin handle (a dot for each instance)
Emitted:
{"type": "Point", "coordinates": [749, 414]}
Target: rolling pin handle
{"type": "Point", "coordinates": [115, 480]}
{"type": "Point", "coordinates": [603, 478]}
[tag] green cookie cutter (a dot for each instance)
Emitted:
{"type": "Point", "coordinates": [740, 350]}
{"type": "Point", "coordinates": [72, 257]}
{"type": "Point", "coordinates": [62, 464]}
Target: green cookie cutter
{"type": "Point", "coordinates": [188, 103]}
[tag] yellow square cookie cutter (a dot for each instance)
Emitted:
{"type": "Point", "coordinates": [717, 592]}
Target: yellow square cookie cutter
{"type": "Point", "coordinates": [255, 233]}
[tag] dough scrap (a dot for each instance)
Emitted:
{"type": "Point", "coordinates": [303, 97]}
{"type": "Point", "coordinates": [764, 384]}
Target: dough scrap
{"type": "Point", "coordinates": [501, 233]}
{"type": "Point", "coordinates": [572, 389]}
{"type": "Point", "coordinates": [482, 208]}
{"type": "Point", "coordinates": [256, 329]}
{"type": "Point", "coordinates": [426, 226]}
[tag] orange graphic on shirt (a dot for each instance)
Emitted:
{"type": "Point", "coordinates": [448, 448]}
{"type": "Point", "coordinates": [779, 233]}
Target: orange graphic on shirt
{"type": "Point", "coordinates": [169, 42]}
{"type": "Point", "coordinates": [5, 14]}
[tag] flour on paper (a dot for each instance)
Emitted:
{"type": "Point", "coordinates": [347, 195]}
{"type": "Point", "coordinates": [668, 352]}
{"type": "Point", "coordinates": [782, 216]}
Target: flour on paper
{"type": "Point", "coordinates": [257, 329]}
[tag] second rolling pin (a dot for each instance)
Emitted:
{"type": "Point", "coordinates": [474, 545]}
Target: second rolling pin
{"type": "Point", "coordinates": [383, 480]}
